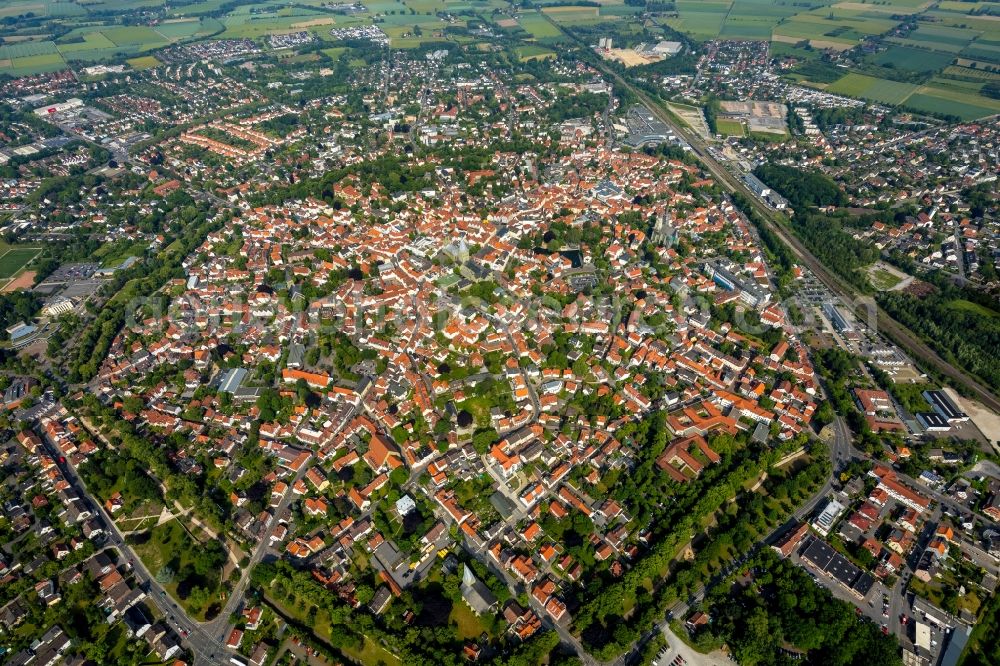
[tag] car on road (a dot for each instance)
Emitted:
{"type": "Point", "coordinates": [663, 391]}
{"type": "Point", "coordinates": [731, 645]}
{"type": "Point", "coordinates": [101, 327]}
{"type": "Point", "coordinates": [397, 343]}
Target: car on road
{"type": "Point", "coordinates": [885, 629]}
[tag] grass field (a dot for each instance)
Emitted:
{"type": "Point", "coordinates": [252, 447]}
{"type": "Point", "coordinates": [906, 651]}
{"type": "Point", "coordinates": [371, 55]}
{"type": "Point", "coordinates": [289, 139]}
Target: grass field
{"type": "Point", "coordinates": [730, 127]}
{"type": "Point", "coordinates": [467, 623]}
{"type": "Point", "coordinates": [143, 62]}
{"type": "Point", "coordinates": [15, 259]}
{"type": "Point", "coordinates": [974, 308]}
{"type": "Point", "coordinates": [533, 52]}
{"type": "Point", "coordinates": [166, 545]}
{"type": "Point", "coordinates": [335, 52]}
{"type": "Point", "coordinates": [951, 102]}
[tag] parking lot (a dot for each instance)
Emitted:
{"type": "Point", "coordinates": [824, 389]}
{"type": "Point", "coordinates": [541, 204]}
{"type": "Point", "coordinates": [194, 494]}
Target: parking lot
{"type": "Point", "coordinates": [678, 653]}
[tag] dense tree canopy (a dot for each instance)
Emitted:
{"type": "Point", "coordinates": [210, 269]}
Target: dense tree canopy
{"type": "Point", "coordinates": [781, 613]}
{"type": "Point", "coordinates": [802, 187]}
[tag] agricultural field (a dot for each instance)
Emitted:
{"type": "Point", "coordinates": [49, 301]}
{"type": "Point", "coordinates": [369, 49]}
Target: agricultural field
{"type": "Point", "coordinates": [701, 20]}
{"type": "Point", "coordinates": [573, 15]}
{"type": "Point", "coordinates": [940, 96]}
{"type": "Point", "coordinates": [925, 69]}
{"type": "Point", "coordinates": [970, 73]}
{"type": "Point", "coordinates": [90, 41]}
{"type": "Point", "coordinates": [913, 59]}
{"type": "Point", "coordinates": [538, 26]}
{"type": "Point", "coordinates": [36, 64]}
{"type": "Point", "coordinates": [948, 37]}
{"type": "Point", "coordinates": [871, 88]}
{"type": "Point", "coordinates": [930, 99]}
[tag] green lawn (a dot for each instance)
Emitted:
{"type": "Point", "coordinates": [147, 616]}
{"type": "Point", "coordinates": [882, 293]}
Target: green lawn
{"type": "Point", "coordinates": [469, 624]}
{"type": "Point", "coordinates": [730, 127]}
{"type": "Point", "coordinates": [169, 546]}
{"type": "Point", "coordinates": [13, 260]}
{"type": "Point", "coordinates": [373, 654]}
{"type": "Point", "coordinates": [975, 308]}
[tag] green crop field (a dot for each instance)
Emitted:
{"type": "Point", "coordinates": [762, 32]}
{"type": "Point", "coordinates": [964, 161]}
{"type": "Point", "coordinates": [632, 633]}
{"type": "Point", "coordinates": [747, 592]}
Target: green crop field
{"type": "Point", "coordinates": [28, 49]}
{"type": "Point", "coordinates": [134, 35]}
{"type": "Point", "coordinates": [573, 15]}
{"type": "Point", "coordinates": [950, 102]}
{"type": "Point", "coordinates": [49, 62]}
{"type": "Point", "coordinates": [871, 88]}
{"type": "Point", "coordinates": [915, 60]}
{"type": "Point", "coordinates": [983, 49]}
{"type": "Point", "coordinates": [745, 28]}
{"type": "Point", "coordinates": [92, 40]}
{"type": "Point", "coordinates": [188, 28]}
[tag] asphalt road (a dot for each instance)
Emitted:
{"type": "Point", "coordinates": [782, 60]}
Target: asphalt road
{"type": "Point", "coordinates": [205, 649]}
{"type": "Point", "coordinates": [220, 627]}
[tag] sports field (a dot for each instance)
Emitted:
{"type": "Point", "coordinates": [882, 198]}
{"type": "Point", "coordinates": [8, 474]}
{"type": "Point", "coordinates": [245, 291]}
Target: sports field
{"type": "Point", "coordinates": [730, 127]}
{"type": "Point", "coordinates": [15, 259]}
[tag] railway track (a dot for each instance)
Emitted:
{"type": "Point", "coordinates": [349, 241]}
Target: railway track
{"type": "Point", "coordinates": [860, 305]}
